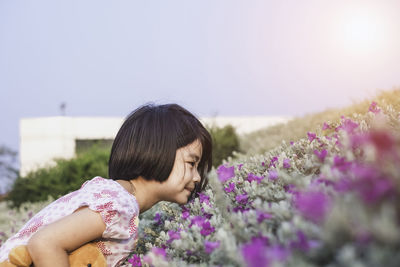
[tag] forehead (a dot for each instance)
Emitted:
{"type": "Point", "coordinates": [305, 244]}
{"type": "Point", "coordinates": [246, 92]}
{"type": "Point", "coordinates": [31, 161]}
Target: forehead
{"type": "Point", "coordinates": [193, 149]}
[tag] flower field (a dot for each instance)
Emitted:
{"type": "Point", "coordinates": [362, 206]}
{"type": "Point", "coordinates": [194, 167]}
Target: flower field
{"type": "Point", "coordinates": [331, 198]}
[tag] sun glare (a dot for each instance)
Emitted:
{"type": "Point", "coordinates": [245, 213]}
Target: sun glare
{"type": "Point", "coordinates": [361, 32]}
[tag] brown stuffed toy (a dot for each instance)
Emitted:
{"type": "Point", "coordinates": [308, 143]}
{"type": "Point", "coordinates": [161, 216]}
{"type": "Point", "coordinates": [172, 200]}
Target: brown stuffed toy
{"type": "Point", "coordinates": [88, 255]}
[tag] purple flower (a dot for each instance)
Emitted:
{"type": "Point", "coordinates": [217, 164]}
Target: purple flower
{"type": "Point", "coordinates": [252, 177]}
{"type": "Point", "coordinates": [210, 246]}
{"type": "Point", "coordinates": [204, 198]}
{"type": "Point", "coordinates": [254, 254]}
{"type": "Point", "coordinates": [189, 252]}
{"type": "Point", "coordinates": [159, 251]}
{"type": "Point", "coordinates": [241, 209]}
{"type": "Point", "coordinates": [261, 216]}
{"type": "Point", "coordinates": [185, 212]}
{"type": "Point", "coordinates": [173, 235]}
{"type": "Point", "coordinates": [322, 180]}
{"type": "Point", "coordinates": [264, 239]}
{"type": "Point", "coordinates": [197, 220]}
{"type": "Point", "coordinates": [230, 188]}
{"type": "Point", "coordinates": [343, 185]}
{"type": "Point", "coordinates": [225, 173]}
{"type": "Point", "coordinates": [242, 199]}
{"type": "Point", "coordinates": [277, 253]}
{"type": "Point", "coordinates": [373, 108]}
{"type": "Point", "coordinates": [311, 136]}
{"type": "Point", "coordinates": [290, 188]}
{"type": "Point", "coordinates": [286, 163]}
{"type": "Point", "coordinates": [313, 205]}
{"type": "Point", "coordinates": [257, 254]}
{"type": "Point", "coordinates": [348, 125]}
{"type": "Point", "coordinates": [207, 229]}
{"type": "Point", "coordinates": [302, 243]}
{"type": "Point", "coordinates": [185, 215]}
{"type": "Point", "coordinates": [272, 162]}
{"type": "Point", "coordinates": [291, 143]}
{"type": "Point", "coordinates": [321, 155]}
{"type": "Point", "coordinates": [273, 175]}
{"type": "Point", "coordinates": [157, 218]}
{"type": "Point", "coordinates": [325, 126]}
{"type": "Point", "coordinates": [341, 164]}
{"type": "Point", "coordinates": [240, 166]}
{"type": "Point", "coordinates": [135, 260]}
{"type": "Point", "coordinates": [372, 185]}
{"type": "Point", "coordinates": [205, 214]}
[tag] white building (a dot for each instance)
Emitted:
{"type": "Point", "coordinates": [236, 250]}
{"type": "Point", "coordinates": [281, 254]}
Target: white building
{"type": "Point", "coordinates": [43, 139]}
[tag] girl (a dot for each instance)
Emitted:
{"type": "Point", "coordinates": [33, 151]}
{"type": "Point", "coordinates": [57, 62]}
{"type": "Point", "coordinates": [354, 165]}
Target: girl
{"type": "Point", "coordinates": [160, 153]}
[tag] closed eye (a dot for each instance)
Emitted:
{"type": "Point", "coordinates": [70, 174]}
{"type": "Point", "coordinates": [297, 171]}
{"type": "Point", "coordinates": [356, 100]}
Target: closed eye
{"type": "Point", "coordinates": [192, 163]}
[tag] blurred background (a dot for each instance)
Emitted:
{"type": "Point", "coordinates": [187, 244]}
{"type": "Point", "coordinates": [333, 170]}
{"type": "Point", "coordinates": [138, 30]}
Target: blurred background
{"type": "Point", "coordinates": [226, 58]}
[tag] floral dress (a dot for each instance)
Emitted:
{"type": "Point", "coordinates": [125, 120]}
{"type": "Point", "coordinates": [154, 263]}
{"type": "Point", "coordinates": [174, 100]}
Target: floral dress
{"type": "Point", "coordinates": [118, 208]}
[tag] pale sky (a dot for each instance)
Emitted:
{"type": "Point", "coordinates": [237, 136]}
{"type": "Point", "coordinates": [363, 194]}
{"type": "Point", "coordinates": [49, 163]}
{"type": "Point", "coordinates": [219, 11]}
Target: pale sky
{"type": "Point", "coordinates": [224, 57]}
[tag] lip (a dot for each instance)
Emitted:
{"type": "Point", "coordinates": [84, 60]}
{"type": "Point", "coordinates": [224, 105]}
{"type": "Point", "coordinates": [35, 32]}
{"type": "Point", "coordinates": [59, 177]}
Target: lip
{"type": "Point", "coordinates": [190, 190]}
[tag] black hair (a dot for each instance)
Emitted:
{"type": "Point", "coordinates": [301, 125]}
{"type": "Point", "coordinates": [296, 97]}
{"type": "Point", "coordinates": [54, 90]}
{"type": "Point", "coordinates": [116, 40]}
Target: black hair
{"type": "Point", "coordinates": [147, 141]}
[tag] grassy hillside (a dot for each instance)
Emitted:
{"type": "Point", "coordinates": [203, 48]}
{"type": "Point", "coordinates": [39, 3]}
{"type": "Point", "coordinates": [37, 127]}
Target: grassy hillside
{"type": "Point", "coordinates": [263, 140]}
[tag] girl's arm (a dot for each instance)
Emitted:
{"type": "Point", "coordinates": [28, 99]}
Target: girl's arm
{"type": "Point", "coordinates": [50, 245]}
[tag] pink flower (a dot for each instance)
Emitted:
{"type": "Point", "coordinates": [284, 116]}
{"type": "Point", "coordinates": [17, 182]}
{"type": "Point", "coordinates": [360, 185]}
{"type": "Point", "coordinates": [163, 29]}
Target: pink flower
{"type": "Point", "coordinates": [311, 136]}
{"type": "Point", "coordinates": [372, 185]}
{"type": "Point", "coordinates": [341, 164]}
{"type": "Point", "coordinates": [313, 205]}
{"type": "Point", "coordinates": [159, 251]}
{"type": "Point", "coordinates": [225, 173]}
{"type": "Point", "coordinates": [348, 125]}
{"type": "Point", "coordinates": [321, 155]}
{"type": "Point", "coordinates": [373, 108]}
{"type": "Point", "coordinates": [325, 126]}
{"type": "Point", "coordinates": [173, 235]}
{"type": "Point", "coordinates": [210, 246]}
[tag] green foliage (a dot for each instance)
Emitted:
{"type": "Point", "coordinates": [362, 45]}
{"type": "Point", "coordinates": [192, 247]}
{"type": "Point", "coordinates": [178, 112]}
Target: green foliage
{"type": "Point", "coordinates": [225, 141]}
{"type": "Point", "coordinates": [64, 177]}
{"type": "Point", "coordinates": [8, 171]}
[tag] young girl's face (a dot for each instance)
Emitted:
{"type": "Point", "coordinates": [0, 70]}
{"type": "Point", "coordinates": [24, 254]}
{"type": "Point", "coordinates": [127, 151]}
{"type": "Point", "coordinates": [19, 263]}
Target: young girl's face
{"type": "Point", "coordinates": [181, 181]}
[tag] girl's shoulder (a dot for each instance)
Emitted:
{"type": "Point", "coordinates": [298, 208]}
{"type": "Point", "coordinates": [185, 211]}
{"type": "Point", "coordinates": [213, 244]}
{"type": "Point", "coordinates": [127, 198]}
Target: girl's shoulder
{"type": "Point", "coordinates": [99, 188]}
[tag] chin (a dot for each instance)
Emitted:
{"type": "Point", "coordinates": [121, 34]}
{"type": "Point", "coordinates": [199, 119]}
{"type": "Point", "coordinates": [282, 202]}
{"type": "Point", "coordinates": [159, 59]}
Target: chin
{"type": "Point", "coordinates": [182, 201]}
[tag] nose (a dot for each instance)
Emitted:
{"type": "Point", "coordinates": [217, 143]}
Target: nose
{"type": "Point", "coordinates": [196, 177]}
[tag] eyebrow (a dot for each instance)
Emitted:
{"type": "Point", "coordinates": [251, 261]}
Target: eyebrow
{"type": "Point", "coordinates": [194, 156]}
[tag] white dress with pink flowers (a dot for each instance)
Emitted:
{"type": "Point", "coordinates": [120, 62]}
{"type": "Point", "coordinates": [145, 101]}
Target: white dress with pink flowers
{"type": "Point", "coordinates": [118, 208]}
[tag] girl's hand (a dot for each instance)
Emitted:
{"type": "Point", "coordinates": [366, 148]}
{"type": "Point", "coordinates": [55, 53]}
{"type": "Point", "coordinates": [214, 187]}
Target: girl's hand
{"type": "Point", "coordinates": [51, 244]}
